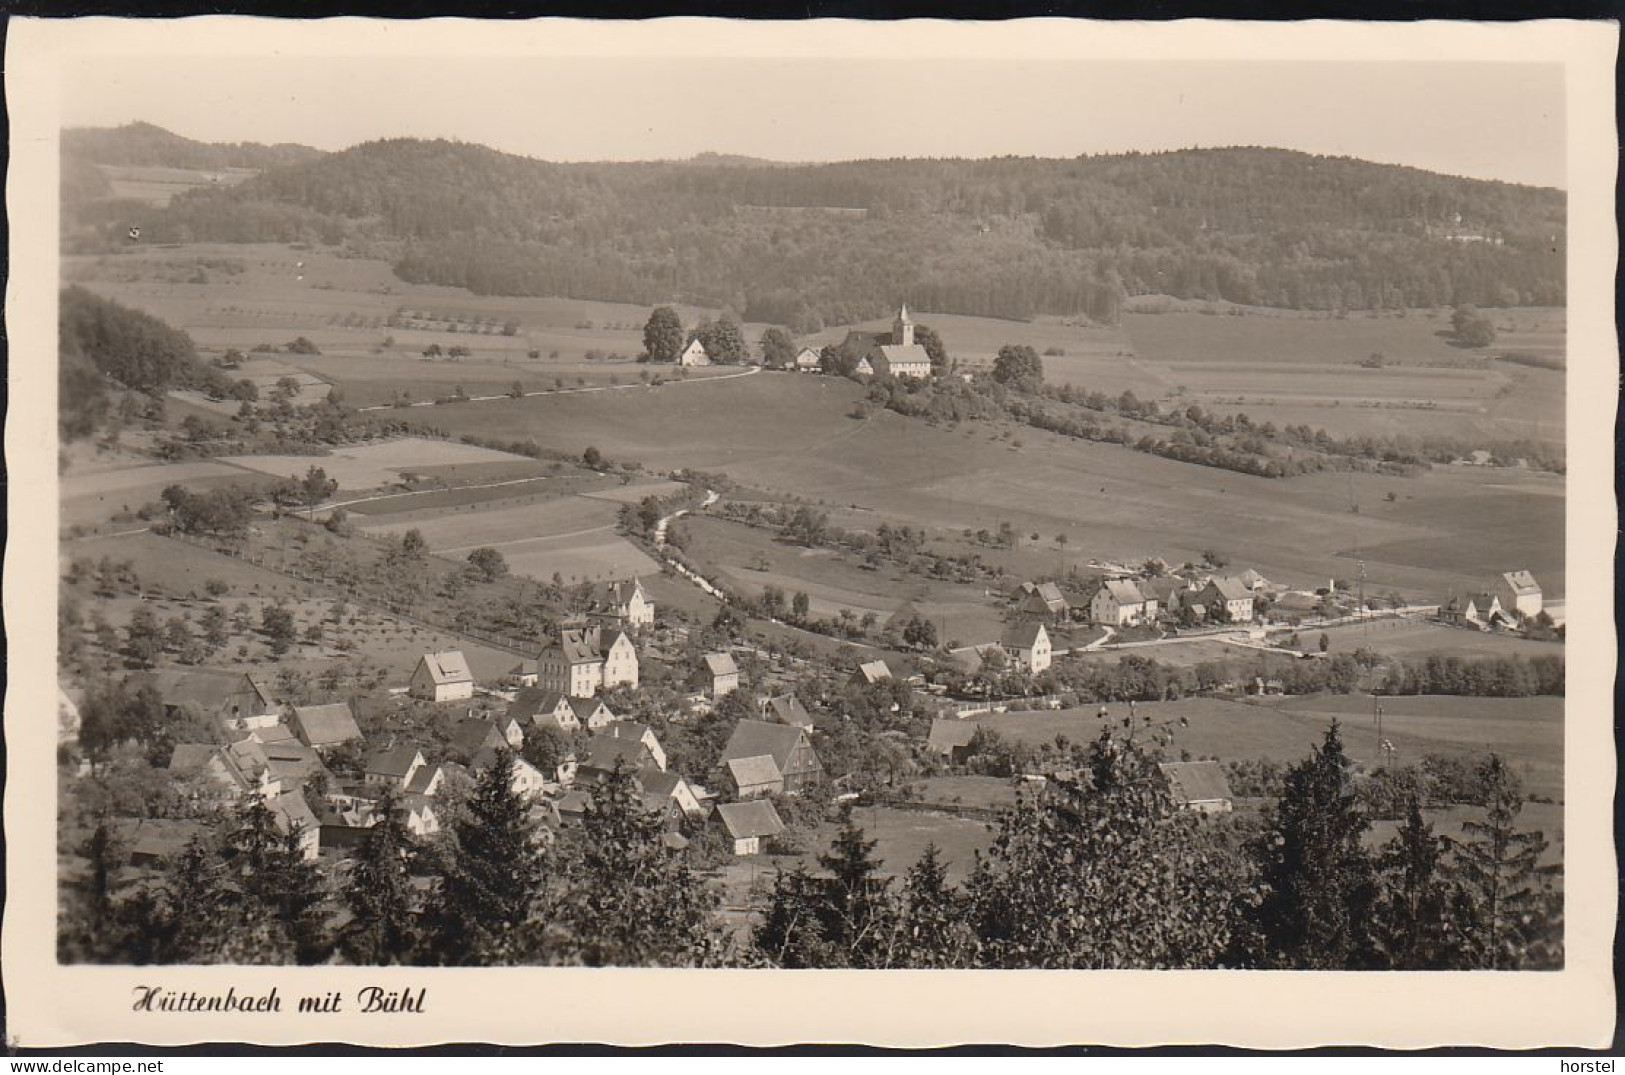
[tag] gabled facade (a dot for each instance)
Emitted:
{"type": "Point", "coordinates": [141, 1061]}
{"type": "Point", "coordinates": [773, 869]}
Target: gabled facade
{"type": "Point", "coordinates": [717, 675]}
{"type": "Point", "coordinates": [1227, 599]}
{"type": "Point", "coordinates": [808, 360]}
{"type": "Point", "coordinates": [1028, 647]}
{"type": "Point", "coordinates": [585, 660]}
{"type": "Point", "coordinates": [694, 355]}
{"type": "Point", "coordinates": [789, 747]}
{"type": "Point", "coordinates": [627, 602]}
{"type": "Point", "coordinates": [1121, 603]}
{"type": "Point", "coordinates": [442, 677]}
{"type": "Point", "coordinates": [1519, 594]}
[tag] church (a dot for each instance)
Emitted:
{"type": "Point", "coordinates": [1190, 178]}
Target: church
{"type": "Point", "coordinates": [896, 354]}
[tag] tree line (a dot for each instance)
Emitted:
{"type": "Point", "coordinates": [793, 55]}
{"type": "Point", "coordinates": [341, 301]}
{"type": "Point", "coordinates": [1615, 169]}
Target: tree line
{"type": "Point", "coordinates": [1005, 238]}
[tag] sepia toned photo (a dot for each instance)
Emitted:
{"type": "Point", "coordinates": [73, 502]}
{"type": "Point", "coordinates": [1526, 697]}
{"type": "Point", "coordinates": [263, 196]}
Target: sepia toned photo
{"type": "Point", "coordinates": [811, 512]}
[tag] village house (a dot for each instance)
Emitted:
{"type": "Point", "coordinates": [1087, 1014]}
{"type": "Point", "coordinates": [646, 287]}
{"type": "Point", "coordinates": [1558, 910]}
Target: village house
{"type": "Point", "coordinates": [627, 602]}
{"type": "Point", "coordinates": [472, 737]}
{"type": "Point", "coordinates": [869, 673]}
{"type": "Point", "coordinates": [585, 660]}
{"type": "Point", "coordinates": [717, 675]}
{"type": "Point", "coordinates": [1295, 606]}
{"type": "Point", "coordinates": [292, 816]}
{"type": "Point", "coordinates": [1227, 599]}
{"type": "Point", "coordinates": [754, 776]}
{"type": "Point", "coordinates": [639, 733]}
{"type": "Point", "coordinates": [527, 781]}
{"type": "Point", "coordinates": [155, 841]}
{"type": "Point", "coordinates": [429, 780]}
{"type": "Point", "coordinates": [788, 747]}
{"type": "Point", "coordinates": [1199, 785]}
{"type": "Point", "coordinates": [808, 360]}
{"type": "Point", "coordinates": [291, 763]}
{"type": "Point", "coordinates": [232, 771]}
{"type": "Point", "coordinates": [1167, 591]}
{"type": "Point", "coordinates": [1045, 600]}
{"type": "Point", "coordinates": [325, 725]}
{"type": "Point", "coordinates": [663, 790]}
{"type": "Point", "coordinates": [896, 354]}
{"type": "Point", "coordinates": [234, 700]}
{"type": "Point", "coordinates": [442, 677]}
{"type": "Point", "coordinates": [950, 739]}
{"type": "Point", "coordinates": [393, 766]}
{"type": "Point", "coordinates": [787, 709]}
{"type": "Point", "coordinates": [1120, 602]}
{"type": "Point", "coordinates": [1255, 582]}
{"type": "Point", "coordinates": [1028, 647]}
{"type": "Point", "coordinates": [1519, 594]}
{"type": "Point", "coordinates": [747, 824]}
{"type": "Point", "coordinates": [694, 354]}
{"type": "Point", "coordinates": [607, 752]}
{"type": "Point", "coordinates": [1479, 610]}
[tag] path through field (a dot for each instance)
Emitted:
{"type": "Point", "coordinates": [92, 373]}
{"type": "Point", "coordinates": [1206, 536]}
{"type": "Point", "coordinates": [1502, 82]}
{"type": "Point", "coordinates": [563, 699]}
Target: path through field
{"type": "Point", "coordinates": [567, 391]}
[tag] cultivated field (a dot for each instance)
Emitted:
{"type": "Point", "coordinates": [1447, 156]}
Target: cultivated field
{"type": "Point", "coordinates": [572, 536]}
{"type": "Point", "coordinates": [374, 466]}
{"type": "Point", "coordinates": [94, 496]}
{"type": "Point", "coordinates": [788, 435]}
{"type": "Point", "coordinates": [156, 185]}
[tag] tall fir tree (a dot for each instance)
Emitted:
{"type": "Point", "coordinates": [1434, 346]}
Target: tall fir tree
{"type": "Point", "coordinates": [933, 931]}
{"type": "Point", "coordinates": [1319, 882]}
{"type": "Point", "coordinates": [1419, 916]}
{"type": "Point", "coordinates": [493, 872]}
{"type": "Point", "coordinates": [1516, 913]}
{"type": "Point", "coordinates": [859, 914]}
{"type": "Point", "coordinates": [384, 907]}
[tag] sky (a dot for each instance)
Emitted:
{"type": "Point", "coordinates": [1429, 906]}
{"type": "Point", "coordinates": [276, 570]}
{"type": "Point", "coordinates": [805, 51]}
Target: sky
{"type": "Point", "coordinates": [1488, 120]}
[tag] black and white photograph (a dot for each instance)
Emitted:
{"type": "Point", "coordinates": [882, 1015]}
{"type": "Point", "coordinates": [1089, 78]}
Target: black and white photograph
{"type": "Point", "coordinates": [879, 511]}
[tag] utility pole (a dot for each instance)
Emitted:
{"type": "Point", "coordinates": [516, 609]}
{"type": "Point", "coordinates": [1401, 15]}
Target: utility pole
{"type": "Point", "coordinates": [1376, 716]}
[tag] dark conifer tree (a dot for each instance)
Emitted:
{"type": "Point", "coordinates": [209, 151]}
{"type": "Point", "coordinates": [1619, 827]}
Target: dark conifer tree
{"type": "Point", "coordinates": [383, 905]}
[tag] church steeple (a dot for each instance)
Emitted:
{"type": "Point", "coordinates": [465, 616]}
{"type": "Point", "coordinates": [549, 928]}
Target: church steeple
{"type": "Point", "coordinates": [902, 330]}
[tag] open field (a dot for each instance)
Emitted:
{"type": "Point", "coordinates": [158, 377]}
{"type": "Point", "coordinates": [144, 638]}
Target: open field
{"type": "Point", "coordinates": [156, 185]}
{"type": "Point", "coordinates": [94, 496]}
{"type": "Point", "coordinates": [901, 836]}
{"type": "Point", "coordinates": [1450, 528]}
{"type": "Point", "coordinates": [1295, 368]}
{"type": "Point", "coordinates": [734, 553]}
{"type": "Point", "coordinates": [373, 466]}
{"type": "Point", "coordinates": [256, 294]}
{"type": "Point", "coordinates": [572, 536]}
{"type": "Point", "coordinates": [1527, 731]}
{"type": "Point", "coordinates": [1418, 638]}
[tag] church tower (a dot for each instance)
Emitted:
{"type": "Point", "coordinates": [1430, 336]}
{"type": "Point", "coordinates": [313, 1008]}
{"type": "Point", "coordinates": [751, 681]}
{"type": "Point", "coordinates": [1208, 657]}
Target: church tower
{"type": "Point", "coordinates": [902, 330]}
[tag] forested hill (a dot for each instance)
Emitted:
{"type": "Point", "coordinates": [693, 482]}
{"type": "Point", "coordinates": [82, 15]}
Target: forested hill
{"type": "Point", "coordinates": [806, 245]}
{"type": "Point", "coordinates": [149, 145]}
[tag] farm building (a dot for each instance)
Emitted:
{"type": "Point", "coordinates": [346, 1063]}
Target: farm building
{"type": "Point", "coordinates": [234, 771]}
{"type": "Point", "coordinates": [1519, 594]}
{"type": "Point", "coordinates": [1255, 582]}
{"type": "Point", "coordinates": [870, 672]}
{"type": "Point", "coordinates": [808, 360]}
{"type": "Point", "coordinates": [639, 733]}
{"type": "Point", "coordinates": [1295, 606]}
{"type": "Point", "coordinates": [627, 602]}
{"type": "Point", "coordinates": [717, 675]}
{"type": "Point", "coordinates": [1199, 785]}
{"type": "Point", "coordinates": [950, 739]}
{"type": "Point", "coordinates": [291, 763]}
{"type": "Point", "coordinates": [1028, 646]}
{"type": "Point", "coordinates": [325, 725]}
{"type": "Point", "coordinates": [293, 817]}
{"type": "Point", "coordinates": [442, 677]}
{"type": "Point", "coordinates": [1479, 610]}
{"type": "Point", "coordinates": [1227, 599]}
{"type": "Point", "coordinates": [748, 824]}
{"type": "Point", "coordinates": [606, 752]}
{"type": "Point", "coordinates": [789, 748]}
{"type": "Point", "coordinates": [534, 705]}
{"type": "Point", "coordinates": [430, 779]}
{"type": "Point", "coordinates": [1045, 599]}
{"type": "Point", "coordinates": [396, 766]}
{"type": "Point", "coordinates": [233, 699]}
{"type": "Point", "coordinates": [694, 355]}
{"type": "Point", "coordinates": [158, 839]}
{"type": "Point", "coordinates": [1120, 602]}
{"type": "Point", "coordinates": [787, 709]}
{"type": "Point", "coordinates": [754, 776]}
{"type": "Point", "coordinates": [1168, 591]}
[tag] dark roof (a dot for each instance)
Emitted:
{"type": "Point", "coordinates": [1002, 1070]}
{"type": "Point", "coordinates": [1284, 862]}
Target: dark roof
{"type": "Point", "coordinates": [532, 702]}
{"type": "Point", "coordinates": [292, 762]}
{"type": "Point", "coordinates": [754, 818]}
{"type": "Point", "coordinates": [1023, 635]}
{"type": "Point", "coordinates": [584, 708]}
{"type": "Point", "coordinates": [208, 690]}
{"type": "Point", "coordinates": [473, 735]}
{"type": "Point", "coordinates": [752, 738]}
{"type": "Point", "coordinates": [395, 762]}
{"type": "Point", "coordinates": [1196, 781]}
{"type": "Point", "coordinates": [1231, 589]}
{"type": "Point", "coordinates": [325, 725]}
{"type": "Point", "coordinates": [628, 729]}
{"type": "Point", "coordinates": [659, 782]}
{"type": "Point", "coordinates": [1521, 582]}
{"type": "Point", "coordinates": [721, 664]}
{"type": "Point", "coordinates": [605, 750]}
{"type": "Point", "coordinates": [787, 709]}
{"type": "Point", "coordinates": [754, 771]}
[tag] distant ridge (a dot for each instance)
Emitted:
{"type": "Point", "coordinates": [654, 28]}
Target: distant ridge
{"type": "Point", "coordinates": [1007, 237]}
{"type": "Point", "coordinates": [147, 144]}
